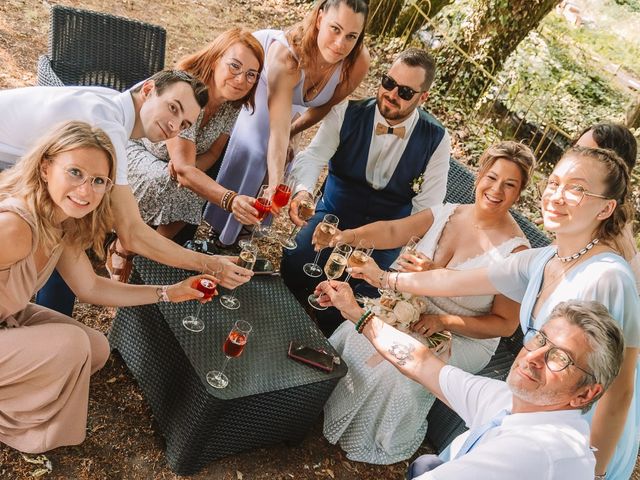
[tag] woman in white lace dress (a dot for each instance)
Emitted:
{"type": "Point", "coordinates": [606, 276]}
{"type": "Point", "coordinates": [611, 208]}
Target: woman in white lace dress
{"type": "Point", "coordinates": [377, 414]}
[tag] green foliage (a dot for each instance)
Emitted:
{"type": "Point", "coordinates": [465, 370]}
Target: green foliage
{"type": "Point", "coordinates": [565, 89]}
{"type": "Point", "coordinates": [633, 5]}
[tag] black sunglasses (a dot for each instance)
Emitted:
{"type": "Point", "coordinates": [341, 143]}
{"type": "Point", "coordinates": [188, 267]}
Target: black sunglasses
{"type": "Point", "coordinates": [404, 92]}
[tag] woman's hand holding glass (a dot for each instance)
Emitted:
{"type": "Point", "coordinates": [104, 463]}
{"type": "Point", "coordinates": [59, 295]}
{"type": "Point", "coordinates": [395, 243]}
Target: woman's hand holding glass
{"type": "Point", "coordinates": [323, 234]}
{"type": "Point", "coordinates": [206, 285]}
{"type": "Point", "coordinates": [371, 273]}
{"type": "Point", "coordinates": [244, 211]}
{"type": "Point", "coordinates": [301, 209]}
{"type": "Point", "coordinates": [185, 290]}
{"type": "Point", "coordinates": [231, 275]}
{"type": "Point", "coordinates": [414, 262]}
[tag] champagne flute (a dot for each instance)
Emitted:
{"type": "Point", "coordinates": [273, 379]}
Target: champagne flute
{"type": "Point", "coordinates": [306, 210]}
{"type": "Point", "coordinates": [283, 191]}
{"type": "Point", "coordinates": [409, 248]}
{"type": "Point", "coordinates": [246, 259]}
{"type": "Point", "coordinates": [263, 205]}
{"type": "Point", "coordinates": [193, 323]}
{"type": "Point", "coordinates": [360, 255]}
{"type": "Point", "coordinates": [326, 230]}
{"type": "Point", "coordinates": [232, 348]}
{"type": "Point", "coordinates": [333, 269]}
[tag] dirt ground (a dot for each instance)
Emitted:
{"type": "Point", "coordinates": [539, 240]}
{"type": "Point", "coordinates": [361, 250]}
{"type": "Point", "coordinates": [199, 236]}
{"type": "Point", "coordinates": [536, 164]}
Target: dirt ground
{"type": "Point", "coordinates": [122, 437]}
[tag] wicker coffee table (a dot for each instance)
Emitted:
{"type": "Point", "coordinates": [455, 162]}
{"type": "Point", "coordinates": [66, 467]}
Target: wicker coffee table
{"type": "Point", "coordinates": [270, 398]}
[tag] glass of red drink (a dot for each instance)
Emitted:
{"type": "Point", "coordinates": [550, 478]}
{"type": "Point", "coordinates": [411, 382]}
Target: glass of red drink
{"type": "Point", "coordinates": [283, 191]}
{"type": "Point", "coordinates": [262, 203]}
{"type": "Point", "coordinates": [232, 348]}
{"type": "Point", "coordinates": [207, 286]}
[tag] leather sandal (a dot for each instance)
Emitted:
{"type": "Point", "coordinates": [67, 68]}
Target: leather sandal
{"type": "Point", "coordinates": [122, 273]}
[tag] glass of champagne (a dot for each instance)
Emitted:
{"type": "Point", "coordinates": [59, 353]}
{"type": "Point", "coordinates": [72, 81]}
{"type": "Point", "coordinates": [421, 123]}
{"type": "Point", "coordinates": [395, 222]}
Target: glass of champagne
{"type": "Point", "coordinates": [333, 269]}
{"type": "Point", "coordinates": [306, 210]}
{"type": "Point", "coordinates": [232, 348]}
{"type": "Point", "coordinates": [409, 248]}
{"type": "Point", "coordinates": [194, 323]}
{"type": "Point", "coordinates": [326, 230]}
{"type": "Point", "coordinates": [246, 259]}
{"type": "Point", "coordinates": [360, 255]}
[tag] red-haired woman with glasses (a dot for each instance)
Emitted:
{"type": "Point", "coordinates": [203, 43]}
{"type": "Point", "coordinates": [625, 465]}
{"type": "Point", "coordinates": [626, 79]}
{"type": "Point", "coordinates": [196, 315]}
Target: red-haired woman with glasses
{"type": "Point", "coordinates": [168, 178]}
{"type": "Point", "coordinates": [308, 69]}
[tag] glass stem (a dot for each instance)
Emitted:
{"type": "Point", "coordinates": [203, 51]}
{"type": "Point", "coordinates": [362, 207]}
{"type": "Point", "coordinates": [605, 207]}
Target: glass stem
{"type": "Point", "coordinates": [317, 257]}
{"type": "Point", "coordinates": [294, 232]}
{"type": "Point", "coordinates": [348, 277]}
{"type": "Point", "coordinates": [224, 366]}
{"type": "Point", "coordinates": [197, 315]}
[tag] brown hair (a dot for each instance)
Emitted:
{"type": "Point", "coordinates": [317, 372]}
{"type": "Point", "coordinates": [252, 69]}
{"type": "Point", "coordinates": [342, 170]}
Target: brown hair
{"type": "Point", "coordinates": [616, 181]}
{"type": "Point", "coordinates": [615, 137]}
{"type": "Point", "coordinates": [304, 35]}
{"type": "Point", "coordinates": [515, 152]}
{"type": "Point", "coordinates": [203, 63]}
{"type": "Point", "coordinates": [166, 78]}
{"type": "Point", "coordinates": [24, 181]}
{"type": "Point", "coordinates": [417, 57]}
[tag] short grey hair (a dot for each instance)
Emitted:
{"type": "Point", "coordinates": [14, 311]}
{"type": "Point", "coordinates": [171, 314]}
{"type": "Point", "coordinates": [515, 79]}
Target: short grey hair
{"type": "Point", "coordinates": [604, 336]}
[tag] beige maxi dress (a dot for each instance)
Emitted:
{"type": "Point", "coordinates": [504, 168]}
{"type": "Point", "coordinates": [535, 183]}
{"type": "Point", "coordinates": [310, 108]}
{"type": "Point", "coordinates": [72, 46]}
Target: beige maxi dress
{"type": "Point", "coordinates": [46, 359]}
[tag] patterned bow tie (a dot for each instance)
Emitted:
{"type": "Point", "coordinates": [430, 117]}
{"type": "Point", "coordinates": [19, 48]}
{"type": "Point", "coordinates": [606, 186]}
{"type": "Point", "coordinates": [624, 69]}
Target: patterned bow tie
{"type": "Point", "coordinates": [383, 129]}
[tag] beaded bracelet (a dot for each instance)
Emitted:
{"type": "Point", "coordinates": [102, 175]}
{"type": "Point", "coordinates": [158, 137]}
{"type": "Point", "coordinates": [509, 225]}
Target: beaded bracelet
{"type": "Point", "coordinates": [230, 201]}
{"type": "Point", "coordinates": [225, 198]}
{"type": "Point", "coordinates": [362, 317]}
{"type": "Point", "coordinates": [365, 322]}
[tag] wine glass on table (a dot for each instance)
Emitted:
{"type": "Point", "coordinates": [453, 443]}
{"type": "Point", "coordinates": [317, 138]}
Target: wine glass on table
{"type": "Point", "coordinates": [246, 259]}
{"type": "Point", "coordinates": [232, 348]}
{"type": "Point", "coordinates": [207, 286]}
{"type": "Point", "coordinates": [360, 255]}
{"type": "Point", "coordinates": [306, 210]}
{"type": "Point", "coordinates": [333, 269]}
{"type": "Point", "coordinates": [326, 230]}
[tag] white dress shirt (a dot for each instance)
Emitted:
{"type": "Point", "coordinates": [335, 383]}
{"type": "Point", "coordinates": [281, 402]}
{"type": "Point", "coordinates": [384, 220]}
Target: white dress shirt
{"type": "Point", "coordinates": [535, 446]}
{"type": "Point", "coordinates": [30, 113]}
{"type": "Point", "coordinates": [385, 152]}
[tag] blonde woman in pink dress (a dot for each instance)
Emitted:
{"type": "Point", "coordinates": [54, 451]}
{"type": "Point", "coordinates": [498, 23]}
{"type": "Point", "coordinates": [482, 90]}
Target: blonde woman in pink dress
{"type": "Point", "coordinates": [54, 204]}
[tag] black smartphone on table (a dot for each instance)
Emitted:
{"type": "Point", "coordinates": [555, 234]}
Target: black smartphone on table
{"type": "Point", "coordinates": [312, 356]}
{"type": "Point", "coordinates": [263, 267]}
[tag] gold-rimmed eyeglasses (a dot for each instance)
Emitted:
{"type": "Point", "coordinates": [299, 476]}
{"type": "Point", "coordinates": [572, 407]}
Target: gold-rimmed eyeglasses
{"type": "Point", "coordinates": [572, 193]}
{"type": "Point", "coordinates": [555, 358]}
{"type": "Point", "coordinates": [250, 75]}
{"type": "Point", "coordinates": [78, 177]}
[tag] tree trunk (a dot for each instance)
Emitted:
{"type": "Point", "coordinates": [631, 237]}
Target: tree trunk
{"type": "Point", "coordinates": [488, 36]}
{"type": "Point", "coordinates": [633, 115]}
{"type": "Point", "coordinates": [382, 15]}
{"type": "Point", "coordinates": [411, 20]}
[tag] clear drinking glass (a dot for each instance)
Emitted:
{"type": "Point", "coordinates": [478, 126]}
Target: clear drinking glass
{"type": "Point", "coordinates": [232, 348]}
{"type": "Point", "coordinates": [334, 267]}
{"type": "Point", "coordinates": [409, 248]}
{"type": "Point", "coordinates": [246, 259]}
{"type": "Point", "coordinates": [326, 230]}
{"type": "Point", "coordinates": [263, 205]}
{"type": "Point", "coordinates": [361, 255]}
{"type": "Point", "coordinates": [194, 323]}
{"type": "Point", "coordinates": [306, 210]}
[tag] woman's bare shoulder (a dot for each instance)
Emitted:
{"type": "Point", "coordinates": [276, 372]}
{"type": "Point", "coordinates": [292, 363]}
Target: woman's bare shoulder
{"type": "Point", "coordinates": [16, 238]}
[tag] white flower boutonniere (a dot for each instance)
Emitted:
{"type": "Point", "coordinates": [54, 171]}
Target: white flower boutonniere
{"type": "Point", "coordinates": [416, 183]}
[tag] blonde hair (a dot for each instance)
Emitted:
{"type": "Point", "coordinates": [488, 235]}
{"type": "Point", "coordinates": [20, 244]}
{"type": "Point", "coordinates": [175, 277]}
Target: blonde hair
{"type": "Point", "coordinates": [511, 151]}
{"type": "Point", "coordinates": [24, 181]}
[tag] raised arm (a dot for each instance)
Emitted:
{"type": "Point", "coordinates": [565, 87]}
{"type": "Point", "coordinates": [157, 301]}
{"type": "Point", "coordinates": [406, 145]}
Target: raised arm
{"type": "Point", "coordinates": [75, 268]}
{"type": "Point", "coordinates": [407, 354]}
{"type": "Point", "coordinates": [502, 321]}
{"type": "Point", "coordinates": [397, 232]}
{"type": "Point", "coordinates": [281, 80]}
{"type": "Point", "coordinates": [138, 237]}
{"type": "Point", "coordinates": [440, 282]}
{"type": "Point", "coordinates": [191, 175]}
{"type": "Point", "coordinates": [345, 88]}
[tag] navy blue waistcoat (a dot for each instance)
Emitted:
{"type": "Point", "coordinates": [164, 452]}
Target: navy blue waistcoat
{"type": "Point", "coordinates": [347, 193]}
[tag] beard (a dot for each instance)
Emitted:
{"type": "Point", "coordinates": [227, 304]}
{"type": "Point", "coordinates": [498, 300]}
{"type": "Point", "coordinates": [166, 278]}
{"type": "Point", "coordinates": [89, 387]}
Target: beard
{"type": "Point", "coordinates": [535, 396]}
{"type": "Point", "coordinates": [395, 112]}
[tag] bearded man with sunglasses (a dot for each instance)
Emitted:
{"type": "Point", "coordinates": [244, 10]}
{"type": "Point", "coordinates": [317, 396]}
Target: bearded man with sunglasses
{"type": "Point", "coordinates": [387, 157]}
